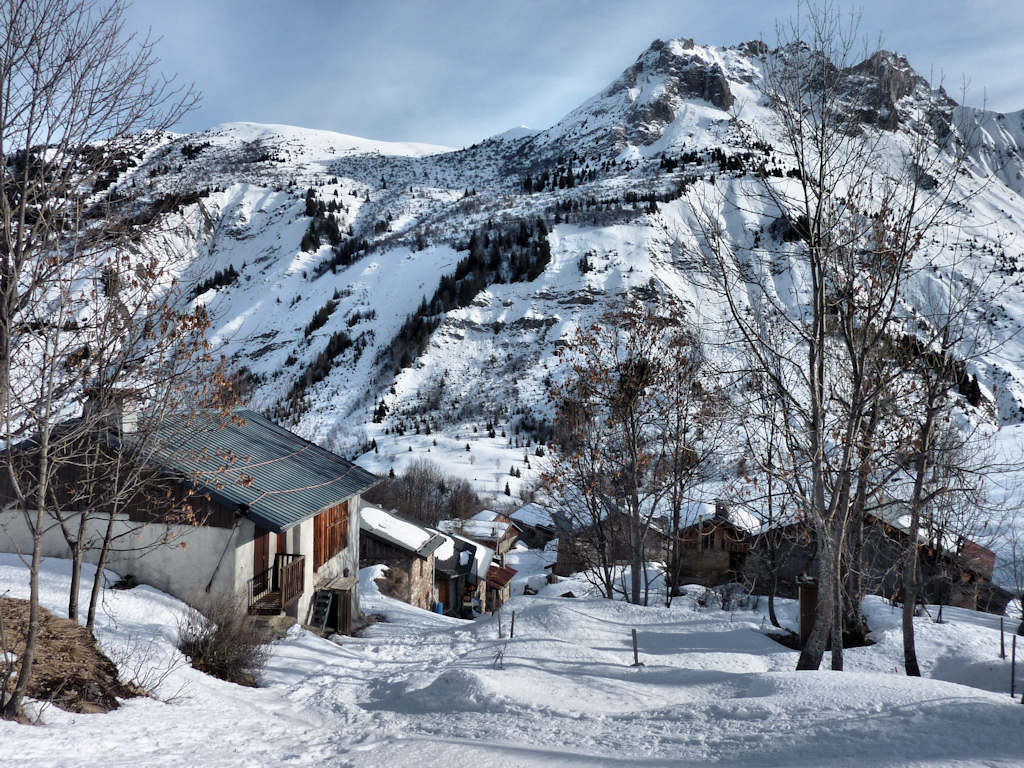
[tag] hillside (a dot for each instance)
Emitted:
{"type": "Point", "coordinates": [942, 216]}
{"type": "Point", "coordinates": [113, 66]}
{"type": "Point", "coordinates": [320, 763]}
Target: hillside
{"type": "Point", "coordinates": [346, 274]}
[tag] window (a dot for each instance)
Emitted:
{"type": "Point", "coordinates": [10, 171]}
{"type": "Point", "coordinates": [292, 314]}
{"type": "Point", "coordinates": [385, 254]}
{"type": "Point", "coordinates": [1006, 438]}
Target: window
{"type": "Point", "coordinates": [330, 534]}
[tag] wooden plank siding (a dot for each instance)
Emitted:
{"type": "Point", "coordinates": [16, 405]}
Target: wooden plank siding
{"type": "Point", "coordinates": [330, 533]}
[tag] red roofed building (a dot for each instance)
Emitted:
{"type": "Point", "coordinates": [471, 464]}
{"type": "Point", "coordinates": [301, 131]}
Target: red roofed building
{"type": "Point", "coordinates": [499, 586]}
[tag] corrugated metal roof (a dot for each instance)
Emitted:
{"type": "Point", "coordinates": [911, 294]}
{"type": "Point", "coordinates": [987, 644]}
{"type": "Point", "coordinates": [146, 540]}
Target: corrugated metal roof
{"type": "Point", "coordinates": [279, 478]}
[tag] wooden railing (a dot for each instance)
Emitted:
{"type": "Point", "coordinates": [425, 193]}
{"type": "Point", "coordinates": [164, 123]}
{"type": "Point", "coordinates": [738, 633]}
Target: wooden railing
{"type": "Point", "coordinates": [291, 575]}
{"type": "Point", "coordinates": [279, 586]}
{"type": "Point", "coordinates": [260, 589]}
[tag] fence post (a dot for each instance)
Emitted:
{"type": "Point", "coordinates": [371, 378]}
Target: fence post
{"type": "Point", "coordinates": [1013, 667]}
{"type": "Point", "coordinates": [636, 652]}
{"type": "Point", "coordinates": [512, 627]}
{"type": "Point", "coordinates": [1002, 640]}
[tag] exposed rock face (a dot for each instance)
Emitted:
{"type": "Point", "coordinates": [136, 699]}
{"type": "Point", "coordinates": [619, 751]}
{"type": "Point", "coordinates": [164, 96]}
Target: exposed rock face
{"type": "Point", "coordinates": [889, 78]}
{"type": "Point", "coordinates": [686, 76]}
{"type": "Point", "coordinates": [754, 48]}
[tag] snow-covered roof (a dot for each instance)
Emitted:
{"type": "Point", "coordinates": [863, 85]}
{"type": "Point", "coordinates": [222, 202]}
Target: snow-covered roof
{"type": "Point", "coordinates": [475, 529]}
{"type": "Point", "coordinates": [485, 516]}
{"type": "Point", "coordinates": [533, 515]}
{"type": "Point", "coordinates": [397, 531]}
{"type": "Point", "coordinates": [446, 548]}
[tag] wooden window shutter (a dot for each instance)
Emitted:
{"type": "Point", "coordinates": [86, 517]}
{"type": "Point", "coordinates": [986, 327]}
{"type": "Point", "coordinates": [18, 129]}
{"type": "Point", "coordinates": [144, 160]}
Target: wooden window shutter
{"type": "Point", "coordinates": [318, 538]}
{"type": "Point", "coordinates": [330, 533]}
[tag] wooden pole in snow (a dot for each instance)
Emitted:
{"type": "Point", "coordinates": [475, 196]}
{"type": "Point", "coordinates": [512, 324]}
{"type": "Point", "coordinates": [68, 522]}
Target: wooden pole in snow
{"type": "Point", "coordinates": [1013, 667]}
{"type": "Point", "coordinates": [636, 652]}
{"type": "Point", "coordinates": [1002, 640]}
{"type": "Point", "coordinates": [512, 628]}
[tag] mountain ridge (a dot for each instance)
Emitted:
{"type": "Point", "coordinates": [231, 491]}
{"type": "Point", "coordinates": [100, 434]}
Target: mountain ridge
{"type": "Point", "coordinates": [362, 232]}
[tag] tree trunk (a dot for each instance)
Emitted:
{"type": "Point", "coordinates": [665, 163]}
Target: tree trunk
{"type": "Point", "coordinates": [771, 600]}
{"type": "Point", "coordinates": [76, 580]}
{"type": "Point", "coordinates": [77, 555]}
{"type": "Point", "coordinates": [910, 581]}
{"type": "Point", "coordinates": [910, 586]}
{"type": "Point", "coordinates": [636, 568]}
{"type": "Point", "coordinates": [814, 648]}
{"type": "Point", "coordinates": [854, 624]}
{"type": "Point", "coordinates": [97, 581]}
{"type": "Point", "coordinates": [837, 615]}
{"type": "Point", "coordinates": [910, 576]}
{"type": "Point", "coordinates": [12, 708]}
{"type": "Point", "coordinates": [636, 560]}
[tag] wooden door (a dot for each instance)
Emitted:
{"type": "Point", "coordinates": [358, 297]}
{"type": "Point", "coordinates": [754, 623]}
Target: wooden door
{"type": "Point", "coordinates": [345, 611]}
{"type": "Point", "coordinates": [260, 551]}
{"type": "Point", "coordinates": [443, 592]}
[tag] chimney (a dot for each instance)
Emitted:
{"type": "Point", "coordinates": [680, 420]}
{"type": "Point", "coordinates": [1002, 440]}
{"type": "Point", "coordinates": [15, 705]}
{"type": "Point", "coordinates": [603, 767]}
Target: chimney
{"type": "Point", "coordinates": [721, 510]}
{"type": "Point", "coordinates": [117, 409]}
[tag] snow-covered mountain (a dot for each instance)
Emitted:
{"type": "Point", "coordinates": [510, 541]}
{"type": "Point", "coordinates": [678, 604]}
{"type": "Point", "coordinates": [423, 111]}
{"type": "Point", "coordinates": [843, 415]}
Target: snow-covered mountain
{"type": "Point", "coordinates": [332, 263]}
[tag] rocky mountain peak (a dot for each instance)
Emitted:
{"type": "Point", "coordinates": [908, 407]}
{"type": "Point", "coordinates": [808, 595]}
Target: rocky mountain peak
{"type": "Point", "coordinates": [689, 72]}
{"type": "Point", "coordinates": [887, 78]}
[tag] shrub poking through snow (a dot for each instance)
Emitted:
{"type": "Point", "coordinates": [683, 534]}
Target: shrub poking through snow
{"type": "Point", "coordinates": [220, 639]}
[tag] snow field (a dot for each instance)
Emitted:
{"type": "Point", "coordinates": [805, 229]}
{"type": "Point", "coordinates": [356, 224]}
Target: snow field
{"type": "Point", "coordinates": [422, 689]}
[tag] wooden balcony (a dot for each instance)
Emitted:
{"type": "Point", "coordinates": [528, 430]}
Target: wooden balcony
{"type": "Point", "coordinates": [272, 591]}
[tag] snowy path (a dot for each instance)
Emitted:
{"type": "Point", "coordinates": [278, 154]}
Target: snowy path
{"type": "Point", "coordinates": [423, 690]}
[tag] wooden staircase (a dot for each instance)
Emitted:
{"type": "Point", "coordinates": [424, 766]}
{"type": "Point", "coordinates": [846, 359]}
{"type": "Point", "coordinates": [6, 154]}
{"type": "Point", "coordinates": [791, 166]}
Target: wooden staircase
{"type": "Point", "coordinates": [266, 604]}
{"type": "Point", "coordinates": [276, 588]}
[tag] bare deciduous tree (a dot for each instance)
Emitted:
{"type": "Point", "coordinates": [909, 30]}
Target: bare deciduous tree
{"type": "Point", "coordinates": [852, 218]}
{"type": "Point", "coordinates": [78, 98]}
{"type": "Point", "coordinates": [634, 420]}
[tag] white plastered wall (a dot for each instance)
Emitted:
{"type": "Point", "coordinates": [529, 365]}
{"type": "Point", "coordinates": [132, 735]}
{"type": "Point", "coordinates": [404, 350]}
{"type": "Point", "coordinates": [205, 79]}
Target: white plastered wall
{"type": "Point", "coordinates": [184, 561]}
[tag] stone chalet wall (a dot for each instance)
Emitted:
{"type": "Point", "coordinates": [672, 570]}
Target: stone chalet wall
{"type": "Point", "coordinates": [410, 578]}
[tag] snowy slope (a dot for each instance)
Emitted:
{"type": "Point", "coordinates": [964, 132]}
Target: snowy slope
{"type": "Point", "coordinates": [489, 358]}
{"type": "Point", "coordinates": [425, 690]}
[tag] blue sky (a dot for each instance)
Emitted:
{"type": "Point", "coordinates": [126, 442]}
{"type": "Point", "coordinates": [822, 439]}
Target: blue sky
{"type": "Point", "coordinates": [453, 72]}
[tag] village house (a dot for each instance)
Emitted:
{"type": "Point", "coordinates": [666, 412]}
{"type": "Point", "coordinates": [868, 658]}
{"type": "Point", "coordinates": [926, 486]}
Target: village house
{"type": "Point", "coordinates": [580, 542]}
{"type": "Point", "coordinates": [460, 575]}
{"type": "Point", "coordinates": [955, 572]}
{"type": "Point", "coordinates": [536, 525]}
{"type": "Point", "coordinates": [276, 518]}
{"type": "Point", "coordinates": [492, 529]}
{"type": "Point", "coordinates": [714, 550]}
{"type": "Point", "coordinates": [406, 549]}
{"type": "Point", "coordinates": [722, 548]}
